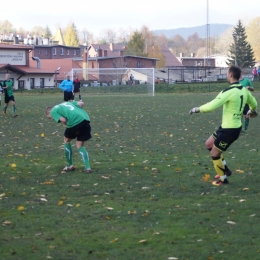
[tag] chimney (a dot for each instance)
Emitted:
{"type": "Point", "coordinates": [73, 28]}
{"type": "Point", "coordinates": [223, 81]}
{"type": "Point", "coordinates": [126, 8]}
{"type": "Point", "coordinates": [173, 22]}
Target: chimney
{"type": "Point", "coordinates": [181, 54]}
{"type": "Point", "coordinates": [16, 41]}
{"type": "Point", "coordinates": [192, 55]}
{"type": "Point", "coordinates": [38, 62]}
{"type": "Point", "coordinates": [112, 47]}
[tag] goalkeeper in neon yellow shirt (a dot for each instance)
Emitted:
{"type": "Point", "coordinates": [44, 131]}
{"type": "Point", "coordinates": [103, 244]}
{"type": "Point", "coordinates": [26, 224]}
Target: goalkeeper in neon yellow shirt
{"type": "Point", "coordinates": [233, 100]}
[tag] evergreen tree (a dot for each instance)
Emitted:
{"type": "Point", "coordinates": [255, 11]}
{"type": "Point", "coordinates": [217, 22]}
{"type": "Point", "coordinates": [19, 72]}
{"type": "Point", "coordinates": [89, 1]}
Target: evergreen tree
{"type": "Point", "coordinates": [136, 45]}
{"type": "Point", "coordinates": [71, 36]}
{"type": "Point", "coordinates": [47, 34]}
{"type": "Point", "coordinates": [241, 53]}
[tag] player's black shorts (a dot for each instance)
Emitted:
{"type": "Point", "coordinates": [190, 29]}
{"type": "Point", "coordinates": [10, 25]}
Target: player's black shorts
{"type": "Point", "coordinates": [81, 131]}
{"type": "Point", "coordinates": [68, 96]}
{"type": "Point", "coordinates": [7, 99]}
{"type": "Point", "coordinates": [224, 137]}
{"type": "Point", "coordinates": [76, 89]}
{"type": "Point", "coordinates": [246, 108]}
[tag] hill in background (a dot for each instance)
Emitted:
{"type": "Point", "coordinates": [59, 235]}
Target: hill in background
{"type": "Point", "coordinates": [215, 30]}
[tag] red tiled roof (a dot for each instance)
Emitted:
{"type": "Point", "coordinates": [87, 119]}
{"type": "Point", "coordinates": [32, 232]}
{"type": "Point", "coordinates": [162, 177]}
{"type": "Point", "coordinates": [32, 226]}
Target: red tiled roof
{"type": "Point", "coordinates": [25, 69]}
{"type": "Point", "coordinates": [170, 59]}
{"type": "Point", "coordinates": [15, 46]}
{"type": "Point", "coordinates": [66, 65]}
{"type": "Point", "coordinates": [33, 69]}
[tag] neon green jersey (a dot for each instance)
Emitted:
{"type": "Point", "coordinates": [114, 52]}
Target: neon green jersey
{"type": "Point", "coordinates": [71, 111]}
{"type": "Point", "coordinates": [233, 100]}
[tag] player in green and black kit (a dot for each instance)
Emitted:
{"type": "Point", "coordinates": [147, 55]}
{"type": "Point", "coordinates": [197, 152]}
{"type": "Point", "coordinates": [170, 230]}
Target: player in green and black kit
{"type": "Point", "coordinates": [233, 100]}
{"type": "Point", "coordinates": [246, 83]}
{"type": "Point", "coordinates": [7, 86]}
{"type": "Point", "coordinates": [77, 121]}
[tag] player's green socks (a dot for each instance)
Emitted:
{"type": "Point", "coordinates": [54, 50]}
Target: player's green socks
{"type": "Point", "coordinates": [246, 123]}
{"type": "Point", "coordinates": [5, 107]}
{"type": "Point", "coordinates": [14, 109]}
{"type": "Point", "coordinates": [219, 167]}
{"type": "Point", "coordinates": [84, 156]}
{"type": "Point", "coordinates": [68, 153]}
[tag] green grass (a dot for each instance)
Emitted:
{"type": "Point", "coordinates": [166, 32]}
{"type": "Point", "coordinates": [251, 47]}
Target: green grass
{"type": "Point", "coordinates": [148, 160]}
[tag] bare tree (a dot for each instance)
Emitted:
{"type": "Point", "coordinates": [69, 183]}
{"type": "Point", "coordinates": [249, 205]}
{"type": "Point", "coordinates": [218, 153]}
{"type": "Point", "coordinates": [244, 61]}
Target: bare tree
{"type": "Point", "coordinates": [6, 27]}
{"type": "Point", "coordinates": [85, 37]}
{"type": "Point", "coordinates": [253, 34]}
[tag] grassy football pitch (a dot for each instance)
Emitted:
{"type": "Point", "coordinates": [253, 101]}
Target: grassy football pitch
{"type": "Point", "coordinates": [150, 194]}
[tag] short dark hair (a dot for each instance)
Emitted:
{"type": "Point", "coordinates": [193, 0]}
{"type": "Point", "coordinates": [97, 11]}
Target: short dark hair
{"type": "Point", "coordinates": [235, 71]}
{"type": "Point", "coordinates": [48, 110]}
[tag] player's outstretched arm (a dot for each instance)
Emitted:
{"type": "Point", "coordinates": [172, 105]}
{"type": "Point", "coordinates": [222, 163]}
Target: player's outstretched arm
{"type": "Point", "coordinates": [194, 110]}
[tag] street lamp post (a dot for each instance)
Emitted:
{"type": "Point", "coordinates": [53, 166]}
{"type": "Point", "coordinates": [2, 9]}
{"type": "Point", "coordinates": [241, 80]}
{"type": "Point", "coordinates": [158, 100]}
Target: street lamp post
{"type": "Point", "coordinates": [58, 69]}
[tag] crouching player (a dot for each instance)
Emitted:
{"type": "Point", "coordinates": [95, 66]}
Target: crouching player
{"type": "Point", "coordinates": [78, 127]}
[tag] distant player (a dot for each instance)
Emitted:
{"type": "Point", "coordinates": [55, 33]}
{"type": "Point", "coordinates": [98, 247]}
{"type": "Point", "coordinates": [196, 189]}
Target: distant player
{"type": "Point", "coordinates": [67, 87]}
{"type": "Point", "coordinates": [233, 100]}
{"type": "Point", "coordinates": [245, 82]}
{"type": "Point", "coordinates": [7, 86]}
{"type": "Point", "coordinates": [78, 126]}
{"type": "Point", "coordinates": [76, 90]}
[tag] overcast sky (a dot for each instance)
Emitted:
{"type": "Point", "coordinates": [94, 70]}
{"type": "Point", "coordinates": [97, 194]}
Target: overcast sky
{"type": "Point", "coordinates": [96, 16]}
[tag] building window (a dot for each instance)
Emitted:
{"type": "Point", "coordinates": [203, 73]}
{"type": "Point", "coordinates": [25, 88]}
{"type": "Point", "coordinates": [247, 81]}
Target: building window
{"type": "Point", "coordinates": [46, 52]}
{"type": "Point", "coordinates": [75, 52]}
{"type": "Point", "coordinates": [31, 82]}
{"type": "Point", "coordinates": [68, 52]}
{"type": "Point", "coordinates": [41, 82]}
{"type": "Point", "coordinates": [138, 64]}
{"type": "Point", "coordinates": [54, 51]}
{"type": "Point", "coordinates": [105, 53]}
{"type": "Point", "coordinates": [20, 84]}
{"type": "Point", "coordinates": [39, 51]}
{"type": "Point", "coordinates": [61, 51]}
{"type": "Point", "coordinates": [93, 65]}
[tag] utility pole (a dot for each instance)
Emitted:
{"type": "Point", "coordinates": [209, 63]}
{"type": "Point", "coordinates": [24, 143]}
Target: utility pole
{"type": "Point", "coordinates": [208, 37]}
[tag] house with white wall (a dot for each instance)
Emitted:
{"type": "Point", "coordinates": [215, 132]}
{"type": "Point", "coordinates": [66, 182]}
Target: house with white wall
{"type": "Point", "coordinates": [14, 59]}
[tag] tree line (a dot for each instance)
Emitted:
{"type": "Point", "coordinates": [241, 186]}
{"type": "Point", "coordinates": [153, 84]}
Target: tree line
{"type": "Point", "coordinates": [239, 43]}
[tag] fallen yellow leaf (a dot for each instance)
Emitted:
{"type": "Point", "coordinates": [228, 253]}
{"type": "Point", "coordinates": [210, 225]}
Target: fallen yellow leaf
{"type": "Point", "coordinates": [20, 208]}
{"type": "Point", "coordinates": [114, 240]}
{"type": "Point", "coordinates": [60, 202]}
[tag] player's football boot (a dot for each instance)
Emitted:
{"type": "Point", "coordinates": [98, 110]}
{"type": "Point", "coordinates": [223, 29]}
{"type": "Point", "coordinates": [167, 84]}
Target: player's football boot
{"type": "Point", "coordinates": [220, 182]}
{"type": "Point", "coordinates": [88, 171]}
{"type": "Point", "coordinates": [69, 168]}
{"type": "Point", "coordinates": [15, 115]}
{"type": "Point", "coordinates": [4, 112]}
